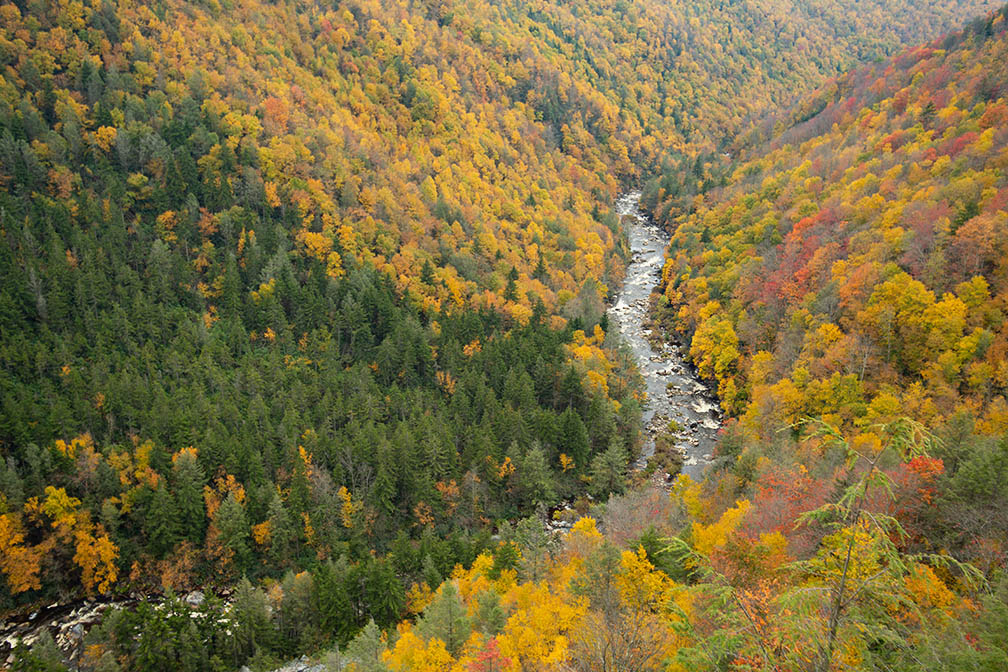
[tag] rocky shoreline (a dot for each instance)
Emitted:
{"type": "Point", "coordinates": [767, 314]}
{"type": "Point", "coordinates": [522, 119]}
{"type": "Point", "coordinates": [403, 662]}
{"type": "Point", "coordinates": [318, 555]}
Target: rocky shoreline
{"type": "Point", "coordinates": [681, 412]}
{"type": "Point", "coordinates": [67, 623]}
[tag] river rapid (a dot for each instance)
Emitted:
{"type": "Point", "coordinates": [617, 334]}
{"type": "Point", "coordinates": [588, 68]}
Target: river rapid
{"type": "Point", "coordinates": [674, 392]}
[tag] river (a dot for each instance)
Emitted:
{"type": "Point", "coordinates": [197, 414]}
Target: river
{"type": "Point", "coordinates": [673, 390]}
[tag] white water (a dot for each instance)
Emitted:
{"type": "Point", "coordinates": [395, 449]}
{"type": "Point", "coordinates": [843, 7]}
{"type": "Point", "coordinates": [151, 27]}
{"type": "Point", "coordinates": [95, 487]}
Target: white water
{"type": "Point", "coordinates": [674, 393]}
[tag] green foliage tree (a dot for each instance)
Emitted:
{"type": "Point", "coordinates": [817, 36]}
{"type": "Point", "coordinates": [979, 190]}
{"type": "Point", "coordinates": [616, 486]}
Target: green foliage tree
{"type": "Point", "coordinates": [250, 625]}
{"type": "Point", "coordinates": [188, 490]}
{"type": "Point", "coordinates": [234, 529]}
{"type": "Point", "coordinates": [446, 619]}
{"type": "Point", "coordinates": [490, 615]}
{"type": "Point", "coordinates": [536, 478]}
{"type": "Point", "coordinates": [608, 470]}
{"type": "Point", "coordinates": [365, 650]}
{"type": "Point", "coordinates": [859, 564]}
{"type": "Point", "coordinates": [161, 521]}
{"type": "Point", "coordinates": [536, 545]}
{"type": "Point", "coordinates": [168, 640]}
{"type": "Point", "coordinates": [42, 656]}
{"type": "Point", "coordinates": [283, 534]}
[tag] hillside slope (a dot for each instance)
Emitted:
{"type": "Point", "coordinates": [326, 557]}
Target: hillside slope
{"type": "Point", "coordinates": [474, 137]}
{"type": "Point", "coordinates": [861, 249]}
{"type": "Point", "coordinates": [853, 269]}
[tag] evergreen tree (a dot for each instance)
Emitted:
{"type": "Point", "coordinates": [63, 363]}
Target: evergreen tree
{"type": "Point", "coordinates": [536, 545]}
{"type": "Point", "coordinates": [250, 628]}
{"type": "Point", "coordinates": [511, 289]}
{"type": "Point", "coordinates": [445, 618]}
{"type": "Point", "coordinates": [427, 273]}
{"type": "Point", "coordinates": [282, 533]}
{"type": "Point", "coordinates": [608, 470]}
{"type": "Point", "coordinates": [10, 483]}
{"type": "Point", "coordinates": [107, 663]}
{"type": "Point", "coordinates": [535, 478]}
{"type": "Point", "coordinates": [333, 601]}
{"type": "Point", "coordinates": [382, 595]}
{"type": "Point", "coordinates": [432, 575]}
{"type": "Point", "coordinates": [231, 291]}
{"type": "Point", "coordinates": [298, 617]}
{"type": "Point", "coordinates": [540, 269]}
{"type": "Point", "coordinates": [43, 656]}
{"type": "Point", "coordinates": [161, 522]}
{"type": "Point", "coordinates": [383, 490]}
{"type": "Point", "coordinates": [366, 649]}
{"type": "Point", "coordinates": [573, 440]}
{"type": "Point", "coordinates": [189, 480]}
{"type": "Point", "coordinates": [299, 499]}
{"type": "Point", "coordinates": [490, 615]}
{"type": "Point", "coordinates": [167, 639]}
{"type": "Point", "coordinates": [234, 529]}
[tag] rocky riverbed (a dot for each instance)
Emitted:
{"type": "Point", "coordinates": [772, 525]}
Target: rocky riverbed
{"type": "Point", "coordinates": [674, 392]}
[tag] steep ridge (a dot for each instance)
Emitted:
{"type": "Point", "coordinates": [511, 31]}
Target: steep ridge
{"type": "Point", "coordinates": [854, 263]}
{"type": "Point", "coordinates": [852, 270]}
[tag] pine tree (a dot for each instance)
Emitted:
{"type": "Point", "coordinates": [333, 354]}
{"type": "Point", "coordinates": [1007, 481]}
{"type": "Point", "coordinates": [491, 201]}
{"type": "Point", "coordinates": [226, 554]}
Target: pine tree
{"type": "Point", "coordinates": [536, 545]}
{"type": "Point", "coordinates": [231, 290]}
{"type": "Point", "coordinates": [333, 603]}
{"type": "Point", "coordinates": [540, 271]}
{"type": "Point", "coordinates": [536, 478]}
{"type": "Point", "coordinates": [608, 470]}
{"type": "Point", "coordinates": [234, 529]}
{"type": "Point", "coordinates": [573, 440]}
{"type": "Point", "coordinates": [511, 289]}
{"type": "Point", "coordinates": [366, 649]}
{"type": "Point", "coordinates": [251, 628]}
{"type": "Point", "coordinates": [10, 483]}
{"type": "Point", "coordinates": [427, 273]}
{"type": "Point", "coordinates": [382, 593]}
{"type": "Point", "coordinates": [161, 523]}
{"type": "Point", "coordinates": [383, 490]}
{"type": "Point", "coordinates": [43, 656]}
{"type": "Point", "coordinates": [299, 499]}
{"type": "Point", "coordinates": [282, 533]}
{"type": "Point", "coordinates": [298, 616]}
{"type": "Point", "coordinates": [168, 639]}
{"type": "Point", "coordinates": [490, 615]}
{"type": "Point", "coordinates": [445, 618]}
{"type": "Point", "coordinates": [189, 480]}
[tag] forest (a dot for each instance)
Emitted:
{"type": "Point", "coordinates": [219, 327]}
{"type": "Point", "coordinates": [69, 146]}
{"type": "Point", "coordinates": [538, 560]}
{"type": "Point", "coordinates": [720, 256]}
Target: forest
{"type": "Point", "coordinates": [304, 307]}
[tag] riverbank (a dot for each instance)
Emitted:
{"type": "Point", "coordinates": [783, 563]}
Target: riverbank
{"type": "Point", "coordinates": [674, 393]}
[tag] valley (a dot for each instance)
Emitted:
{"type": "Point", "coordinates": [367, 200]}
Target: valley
{"type": "Point", "coordinates": [468, 336]}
